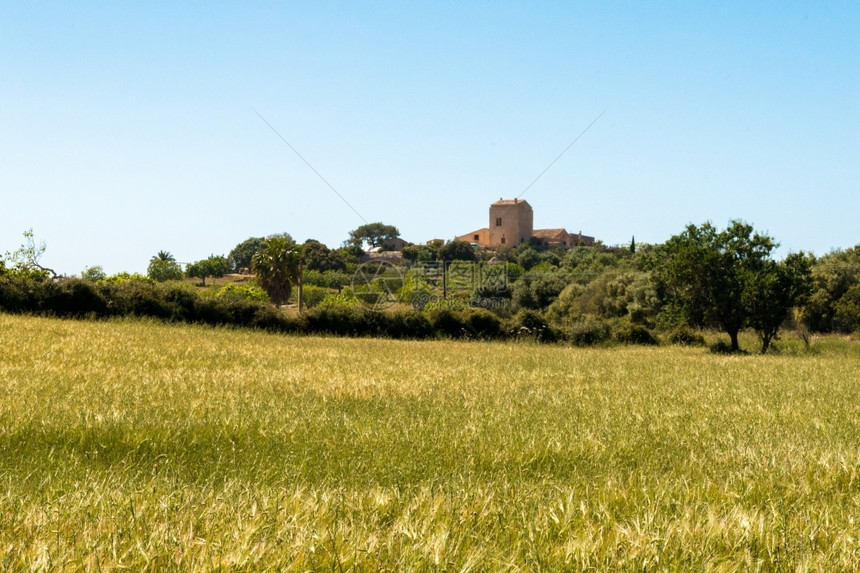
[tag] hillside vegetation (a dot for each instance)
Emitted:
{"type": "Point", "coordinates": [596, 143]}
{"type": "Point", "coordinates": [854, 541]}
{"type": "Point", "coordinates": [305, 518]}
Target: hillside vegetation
{"type": "Point", "coordinates": [701, 279]}
{"type": "Point", "coordinates": [147, 446]}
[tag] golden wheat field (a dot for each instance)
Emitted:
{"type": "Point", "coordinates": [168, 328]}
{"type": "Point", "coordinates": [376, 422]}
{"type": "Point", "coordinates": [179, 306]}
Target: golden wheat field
{"type": "Point", "coordinates": [145, 446]}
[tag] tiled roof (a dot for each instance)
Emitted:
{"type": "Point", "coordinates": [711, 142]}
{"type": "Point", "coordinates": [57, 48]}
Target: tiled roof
{"type": "Point", "coordinates": [548, 233]}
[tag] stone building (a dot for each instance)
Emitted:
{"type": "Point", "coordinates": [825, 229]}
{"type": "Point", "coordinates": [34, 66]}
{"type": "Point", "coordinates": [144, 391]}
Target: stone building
{"type": "Point", "coordinates": [512, 223]}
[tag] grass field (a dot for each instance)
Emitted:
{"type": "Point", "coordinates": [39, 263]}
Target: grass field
{"type": "Point", "coordinates": [143, 446]}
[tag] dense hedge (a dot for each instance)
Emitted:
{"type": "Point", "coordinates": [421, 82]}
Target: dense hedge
{"type": "Point", "coordinates": [77, 298]}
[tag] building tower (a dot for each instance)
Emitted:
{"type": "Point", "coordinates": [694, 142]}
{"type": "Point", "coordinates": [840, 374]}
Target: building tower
{"type": "Point", "coordinates": [511, 222]}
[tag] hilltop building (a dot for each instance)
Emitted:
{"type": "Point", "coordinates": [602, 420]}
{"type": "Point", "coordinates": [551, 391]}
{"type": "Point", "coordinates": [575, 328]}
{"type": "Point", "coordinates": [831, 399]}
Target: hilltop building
{"type": "Point", "coordinates": [512, 223]}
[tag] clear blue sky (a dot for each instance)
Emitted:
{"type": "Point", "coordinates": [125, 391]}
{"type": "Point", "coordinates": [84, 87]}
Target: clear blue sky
{"type": "Point", "coordinates": [128, 128]}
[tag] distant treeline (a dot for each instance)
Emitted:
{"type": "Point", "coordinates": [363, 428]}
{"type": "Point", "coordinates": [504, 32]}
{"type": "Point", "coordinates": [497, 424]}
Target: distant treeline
{"type": "Point", "coordinates": [703, 278]}
{"type": "Point", "coordinates": [177, 302]}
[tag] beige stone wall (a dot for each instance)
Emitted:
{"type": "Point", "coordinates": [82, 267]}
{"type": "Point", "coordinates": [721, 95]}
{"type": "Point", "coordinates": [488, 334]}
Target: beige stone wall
{"type": "Point", "coordinates": [511, 222]}
{"type": "Point", "coordinates": [481, 237]}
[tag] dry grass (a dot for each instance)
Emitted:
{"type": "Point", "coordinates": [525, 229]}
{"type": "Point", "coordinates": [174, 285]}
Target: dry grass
{"type": "Point", "coordinates": [153, 447]}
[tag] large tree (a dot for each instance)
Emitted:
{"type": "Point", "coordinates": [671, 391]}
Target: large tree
{"type": "Point", "coordinates": [774, 291]}
{"type": "Point", "coordinates": [373, 234]}
{"type": "Point", "coordinates": [457, 251]}
{"type": "Point", "coordinates": [835, 302]}
{"type": "Point", "coordinates": [318, 257]}
{"type": "Point", "coordinates": [240, 257]}
{"type": "Point", "coordinates": [277, 266]}
{"type": "Point", "coordinates": [728, 277]}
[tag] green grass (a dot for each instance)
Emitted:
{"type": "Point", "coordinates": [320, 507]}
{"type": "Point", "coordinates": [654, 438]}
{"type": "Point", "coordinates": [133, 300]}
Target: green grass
{"type": "Point", "coordinates": [146, 446]}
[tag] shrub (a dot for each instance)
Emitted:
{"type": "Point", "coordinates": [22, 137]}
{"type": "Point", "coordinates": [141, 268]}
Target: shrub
{"type": "Point", "coordinates": [340, 300]}
{"type": "Point", "coordinates": [530, 324]}
{"type": "Point", "coordinates": [245, 292]}
{"type": "Point", "coordinates": [447, 322]}
{"type": "Point", "coordinates": [268, 317]}
{"type": "Point", "coordinates": [408, 324]}
{"type": "Point", "coordinates": [483, 324]}
{"type": "Point", "coordinates": [352, 320]}
{"type": "Point", "coordinates": [369, 296]}
{"type": "Point", "coordinates": [180, 298]}
{"type": "Point", "coordinates": [630, 333]}
{"type": "Point", "coordinates": [73, 298]}
{"type": "Point", "coordinates": [237, 312]}
{"type": "Point", "coordinates": [589, 331]}
{"type": "Point", "coordinates": [213, 311]}
{"type": "Point", "coordinates": [685, 336]}
{"type": "Point", "coordinates": [313, 295]}
{"type": "Point", "coordinates": [17, 294]}
{"type": "Point", "coordinates": [328, 279]}
{"type": "Point", "coordinates": [136, 297]}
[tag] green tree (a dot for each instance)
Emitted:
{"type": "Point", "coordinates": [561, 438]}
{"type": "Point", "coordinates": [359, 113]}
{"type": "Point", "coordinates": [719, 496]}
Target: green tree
{"type": "Point", "coordinates": [25, 259]}
{"type": "Point", "coordinates": [277, 266]}
{"type": "Point", "coordinates": [526, 256]}
{"type": "Point", "coordinates": [457, 251]}
{"type": "Point", "coordinates": [163, 267]}
{"type": "Point", "coordinates": [350, 255]}
{"type": "Point", "coordinates": [213, 266]}
{"type": "Point", "coordinates": [773, 291]}
{"type": "Point", "coordinates": [537, 290]}
{"type": "Point", "coordinates": [240, 257]}
{"type": "Point", "coordinates": [837, 280]}
{"type": "Point", "coordinates": [318, 257]}
{"type": "Point", "coordinates": [421, 253]}
{"type": "Point", "coordinates": [373, 234]}
{"type": "Point", "coordinates": [93, 274]}
{"type": "Point", "coordinates": [616, 293]}
{"type": "Point", "coordinates": [589, 263]}
{"type": "Point", "coordinates": [846, 315]}
{"type": "Point", "coordinates": [727, 277]}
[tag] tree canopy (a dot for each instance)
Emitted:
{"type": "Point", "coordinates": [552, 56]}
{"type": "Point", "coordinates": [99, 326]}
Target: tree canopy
{"type": "Point", "coordinates": [835, 301]}
{"type": "Point", "coordinates": [163, 267]}
{"type": "Point", "coordinates": [240, 257]}
{"type": "Point", "coordinates": [25, 259]}
{"type": "Point", "coordinates": [457, 251]}
{"type": "Point", "coordinates": [728, 277]}
{"type": "Point", "coordinates": [373, 234]}
{"type": "Point", "coordinates": [213, 266]}
{"type": "Point", "coordinates": [318, 257]}
{"type": "Point", "coordinates": [277, 266]}
{"type": "Point", "coordinates": [94, 273]}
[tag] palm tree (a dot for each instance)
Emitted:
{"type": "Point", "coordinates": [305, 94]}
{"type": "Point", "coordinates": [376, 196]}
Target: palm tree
{"type": "Point", "coordinates": [163, 267]}
{"type": "Point", "coordinates": [163, 256]}
{"type": "Point", "coordinates": [277, 266]}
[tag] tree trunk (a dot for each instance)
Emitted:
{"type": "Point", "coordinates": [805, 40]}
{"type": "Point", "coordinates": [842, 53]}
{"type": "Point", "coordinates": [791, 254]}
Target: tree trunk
{"type": "Point", "coordinates": [733, 335]}
{"type": "Point", "coordinates": [765, 343]}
